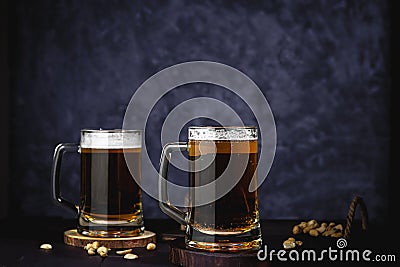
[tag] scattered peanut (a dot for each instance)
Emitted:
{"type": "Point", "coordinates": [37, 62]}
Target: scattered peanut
{"type": "Point", "coordinates": [313, 228]}
{"type": "Point", "coordinates": [307, 230]}
{"type": "Point", "coordinates": [130, 256]}
{"type": "Point", "coordinates": [151, 246]}
{"type": "Point", "coordinates": [102, 254]}
{"type": "Point", "coordinates": [314, 233]}
{"type": "Point", "coordinates": [91, 251]}
{"type": "Point", "coordinates": [88, 246]}
{"type": "Point", "coordinates": [321, 229]}
{"type": "Point", "coordinates": [95, 244]}
{"type": "Point", "coordinates": [330, 226]}
{"type": "Point", "coordinates": [93, 248]}
{"type": "Point", "coordinates": [338, 227]}
{"type": "Point", "coordinates": [288, 244]}
{"type": "Point", "coordinates": [328, 232]}
{"type": "Point", "coordinates": [311, 222]}
{"type": "Point", "coordinates": [296, 230]}
{"type": "Point", "coordinates": [46, 246]}
{"type": "Point", "coordinates": [299, 243]}
{"type": "Point", "coordinates": [102, 251]}
{"type": "Point", "coordinates": [123, 252]}
{"type": "Point", "coordinates": [302, 225]}
{"type": "Point", "coordinates": [291, 243]}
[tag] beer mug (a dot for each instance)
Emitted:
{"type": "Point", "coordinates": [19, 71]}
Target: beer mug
{"type": "Point", "coordinates": [223, 202]}
{"type": "Point", "coordinates": [110, 198]}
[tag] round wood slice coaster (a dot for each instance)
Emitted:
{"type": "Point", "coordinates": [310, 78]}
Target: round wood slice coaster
{"type": "Point", "coordinates": [73, 238]}
{"type": "Point", "coordinates": [180, 255]}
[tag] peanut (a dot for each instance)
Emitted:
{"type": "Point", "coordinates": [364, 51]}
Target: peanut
{"type": "Point", "coordinates": [330, 226]}
{"type": "Point", "coordinates": [88, 246]}
{"type": "Point", "coordinates": [123, 252]}
{"type": "Point", "coordinates": [46, 246]}
{"type": "Point", "coordinates": [91, 251]}
{"type": "Point", "coordinates": [102, 251]}
{"type": "Point", "coordinates": [151, 246]}
{"type": "Point", "coordinates": [95, 244]}
{"type": "Point", "coordinates": [321, 229]}
{"type": "Point", "coordinates": [288, 244]}
{"type": "Point", "coordinates": [296, 230]}
{"type": "Point", "coordinates": [303, 225]}
{"type": "Point", "coordinates": [338, 227]}
{"type": "Point", "coordinates": [130, 256]}
{"type": "Point", "coordinates": [311, 222]}
{"type": "Point", "coordinates": [314, 233]}
{"type": "Point", "coordinates": [328, 232]}
{"type": "Point", "coordinates": [307, 229]}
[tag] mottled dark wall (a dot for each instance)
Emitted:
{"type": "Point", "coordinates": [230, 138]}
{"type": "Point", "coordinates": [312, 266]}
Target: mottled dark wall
{"type": "Point", "coordinates": [322, 65]}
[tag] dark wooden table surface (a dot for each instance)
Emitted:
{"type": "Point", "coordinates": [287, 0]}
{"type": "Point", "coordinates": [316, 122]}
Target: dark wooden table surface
{"type": "Point", "coordinates": [20, 239]}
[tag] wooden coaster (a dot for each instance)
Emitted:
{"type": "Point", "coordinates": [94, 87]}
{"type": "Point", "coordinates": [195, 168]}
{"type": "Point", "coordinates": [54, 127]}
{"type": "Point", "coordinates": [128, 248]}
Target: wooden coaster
{"type": "Point", "coordinates": [73, 238]}
{"type": "Point", "coordinates": [180, 255]}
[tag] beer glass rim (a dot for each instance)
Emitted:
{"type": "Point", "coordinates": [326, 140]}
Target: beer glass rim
{"type": "Point", "coordinates": [110, 131]}
{"type": "Point", "coordinates": [111, 139]}
{"type": "Point", "coordinates": [245, 133]}
{"type": "Point", "coordinates": [222, 127]}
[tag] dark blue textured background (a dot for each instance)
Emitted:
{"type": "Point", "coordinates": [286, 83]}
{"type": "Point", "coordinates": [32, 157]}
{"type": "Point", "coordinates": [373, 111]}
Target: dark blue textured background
{"type": "Point", "coordinates": [322, 65]}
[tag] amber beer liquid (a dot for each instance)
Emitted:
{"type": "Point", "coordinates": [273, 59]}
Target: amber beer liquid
{"type": "Point", "coordinates": [111, 200]}
{"type": "Point", "coordinates": [233, 217]}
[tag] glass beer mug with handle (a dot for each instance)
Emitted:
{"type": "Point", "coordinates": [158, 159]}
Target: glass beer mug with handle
{"type": "Point", "coordinates": [110, 198]}
{"type": "Point", "coordinates": [223, 202]}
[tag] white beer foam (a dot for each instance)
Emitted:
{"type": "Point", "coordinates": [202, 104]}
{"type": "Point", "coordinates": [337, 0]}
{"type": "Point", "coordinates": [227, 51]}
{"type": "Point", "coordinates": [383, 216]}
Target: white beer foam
{"type": "Point", "coordinates": [111, 139]}
{"type": "Point", "coordinates": [223, 133]}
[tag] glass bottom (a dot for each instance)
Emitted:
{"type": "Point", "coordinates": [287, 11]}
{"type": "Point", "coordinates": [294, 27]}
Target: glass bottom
{"type": "Point", "coordinates": [100, 231]}
{"type": "Point", "coordinates": [249, 240]}
{"type": "Point", "coordinates": [225, 246]}
{"type": "Point", "coordinates": [110, 227]}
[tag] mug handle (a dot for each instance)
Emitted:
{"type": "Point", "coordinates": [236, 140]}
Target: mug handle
{"type": "Point", "coordinates": [164, 202]}
{"type": "Point", "coordinates": [55, 174]}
